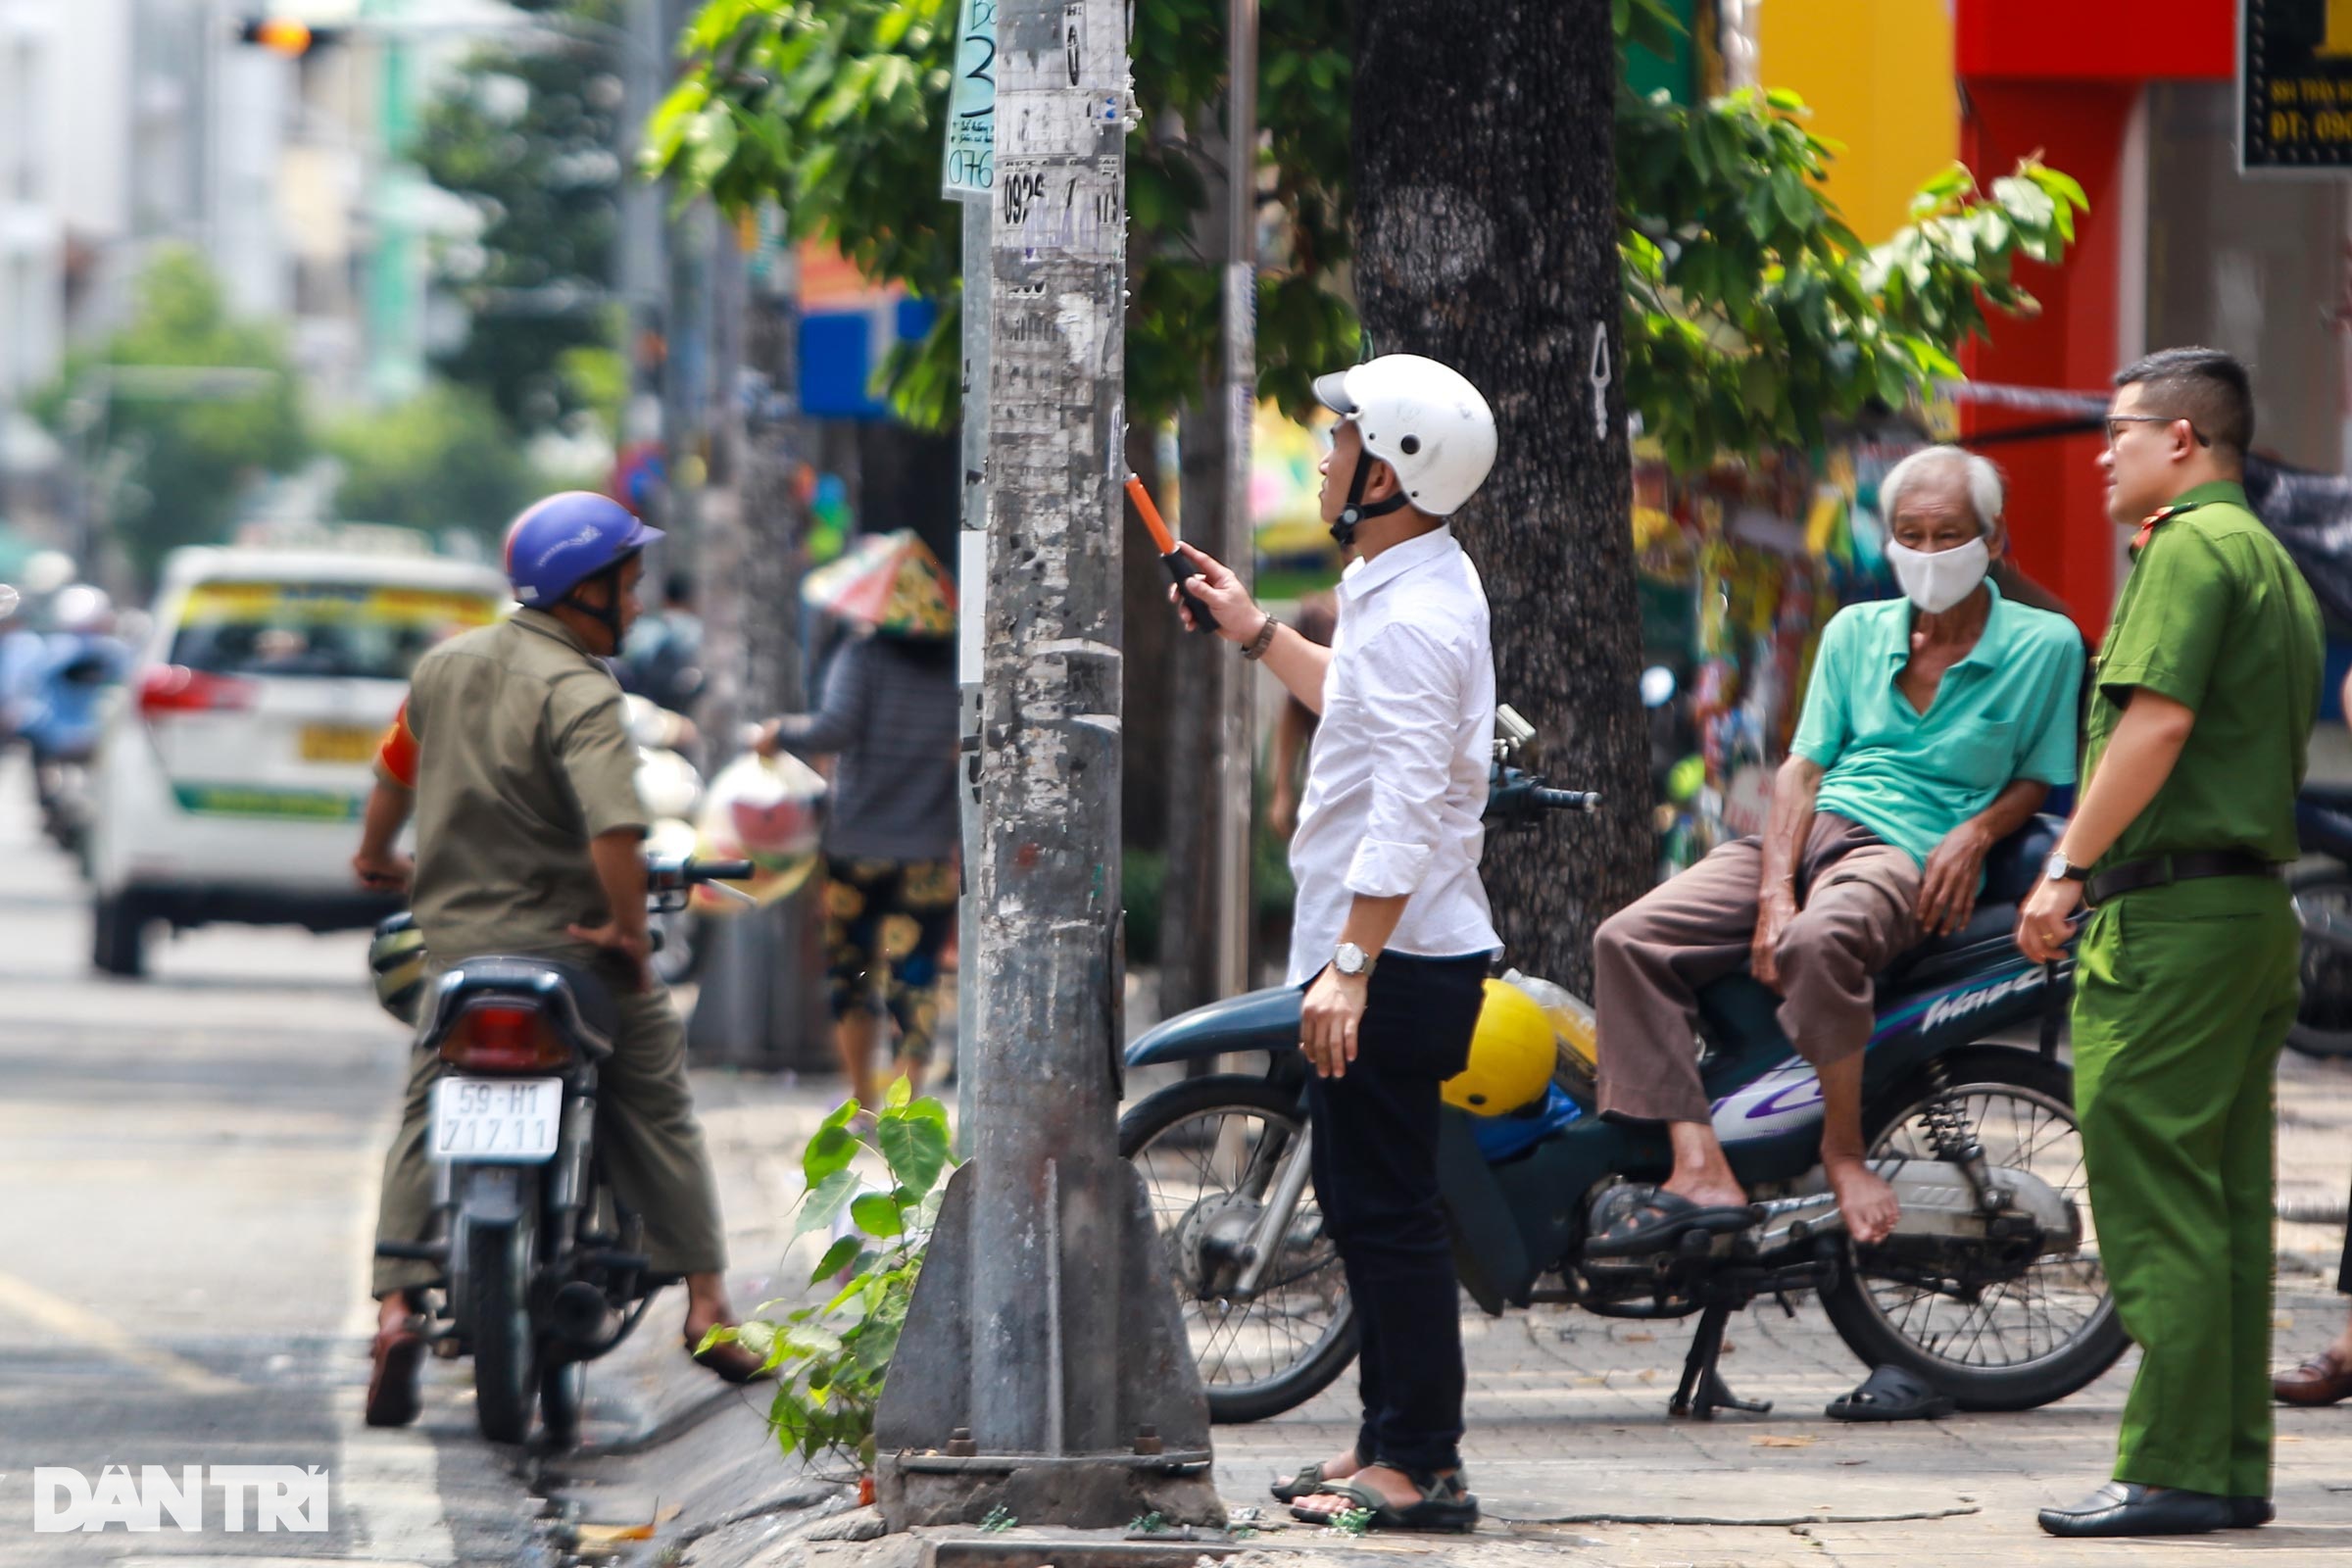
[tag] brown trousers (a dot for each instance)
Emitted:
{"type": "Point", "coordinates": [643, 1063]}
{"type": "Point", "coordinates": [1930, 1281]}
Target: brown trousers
{"type": "Point", "coordinates": [648, 1141]}
{"type": "Point", "coordinates": [1857, 897]}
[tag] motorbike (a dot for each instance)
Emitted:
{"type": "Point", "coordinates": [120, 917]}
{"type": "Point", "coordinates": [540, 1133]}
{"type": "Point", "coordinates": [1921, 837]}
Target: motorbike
{"type": "Point", "coordinates": [2323, 895]}
{"type": "Point", "coordinates": [60, 727]}
{"type": "Point", "coordinates": [543, 1268]}
{"type": "Point", "coordinates": [1989, 1289]}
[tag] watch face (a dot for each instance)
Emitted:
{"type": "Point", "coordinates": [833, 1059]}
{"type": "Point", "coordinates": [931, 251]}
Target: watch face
{"type": "Point", "coordinates": [1349, 960]}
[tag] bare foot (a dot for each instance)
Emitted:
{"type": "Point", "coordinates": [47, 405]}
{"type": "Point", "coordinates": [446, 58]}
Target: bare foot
{"type": "Point", "coordinates": [1866, 1200]}
{"type": "Point", "coordinates": [1707, 1189]}
{"type": "Point", "coordinates": [1393, 1484]}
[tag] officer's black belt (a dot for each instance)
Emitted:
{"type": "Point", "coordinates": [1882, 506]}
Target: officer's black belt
{"type": "Point", "coordinates": [2134, 875]}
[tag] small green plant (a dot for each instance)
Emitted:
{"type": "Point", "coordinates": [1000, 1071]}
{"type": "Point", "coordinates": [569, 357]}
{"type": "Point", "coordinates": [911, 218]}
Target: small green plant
{"type": "Point", "coordinates": [1351, 1522]}
{"type": "Point", "coordinates": [1147, 1524]}
{"type": "Point", "coordinates": [830, 1360]}
{"type": "Point", "coordinates": [997, 1519]}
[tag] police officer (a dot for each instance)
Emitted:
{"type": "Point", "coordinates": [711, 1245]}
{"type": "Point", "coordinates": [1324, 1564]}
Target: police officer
{"type": "Point", "coordinates": [2204, 695]}
{"type": "Point", "coordinates": [511, 753]}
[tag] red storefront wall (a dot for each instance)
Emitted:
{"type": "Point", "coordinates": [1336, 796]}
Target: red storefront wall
{"type": "Point", "coordinates": [2062, 76]}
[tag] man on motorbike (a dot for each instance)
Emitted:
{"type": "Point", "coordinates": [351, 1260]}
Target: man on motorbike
{"type": "Point", "coordinates": [1934, 725]}
{"type": "Point", "coordinates": [1393, 933]}
{"type": "Point", "coordinates": [511, 753]}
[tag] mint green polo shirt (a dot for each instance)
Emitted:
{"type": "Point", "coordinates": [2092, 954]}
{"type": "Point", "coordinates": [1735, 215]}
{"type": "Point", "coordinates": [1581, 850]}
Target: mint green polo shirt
{"type": "Point", "coordinates": [2006, 712]}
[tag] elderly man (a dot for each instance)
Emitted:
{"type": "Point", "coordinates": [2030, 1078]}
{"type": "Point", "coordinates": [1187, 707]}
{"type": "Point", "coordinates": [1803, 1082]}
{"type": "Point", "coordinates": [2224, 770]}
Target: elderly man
{"type": "Point", "coordinates": [1935, 725]}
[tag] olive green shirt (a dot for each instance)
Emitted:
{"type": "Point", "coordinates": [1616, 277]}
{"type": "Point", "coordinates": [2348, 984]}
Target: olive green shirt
{"type": "Point", "coordinates": [2215, 617]}
{"type": "Point", "coordinates": [521, 758]}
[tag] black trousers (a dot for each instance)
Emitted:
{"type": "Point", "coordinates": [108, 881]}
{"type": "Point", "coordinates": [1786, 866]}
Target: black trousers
{"type": "Point", "coordinates": [1376, 1178]}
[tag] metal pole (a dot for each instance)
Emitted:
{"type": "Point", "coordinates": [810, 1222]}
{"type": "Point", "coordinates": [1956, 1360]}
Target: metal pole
{"type": "Point", "coordinates": [1078, 1404]}
{"type": "Point", "coordinates": [972, 585]}
{"type": "Point", "coordinates": [1237, 750]}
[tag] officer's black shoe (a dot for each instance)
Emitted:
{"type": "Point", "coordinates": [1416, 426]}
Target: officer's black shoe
{"type": "Point", "coordinates": [2250, 1513]}
{"type": "Point", "coordinates": [2128, 1508]}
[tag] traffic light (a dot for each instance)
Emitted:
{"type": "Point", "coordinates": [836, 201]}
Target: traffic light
{"type": "Point", "coordinates": [283, 36]}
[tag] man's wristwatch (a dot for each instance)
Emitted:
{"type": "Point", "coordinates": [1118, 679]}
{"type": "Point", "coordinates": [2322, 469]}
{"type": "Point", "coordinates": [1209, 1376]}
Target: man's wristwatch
{"type": "Point", "coordinates": [2058, 868]}
{"type": "Point", "coordinates": [1351, 960]}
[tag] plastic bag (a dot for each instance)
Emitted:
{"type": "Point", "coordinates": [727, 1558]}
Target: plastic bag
{"type": "Point", "coordinates": [1573, 1030]}
{"type": "Point", "coordinates": [768, 810]}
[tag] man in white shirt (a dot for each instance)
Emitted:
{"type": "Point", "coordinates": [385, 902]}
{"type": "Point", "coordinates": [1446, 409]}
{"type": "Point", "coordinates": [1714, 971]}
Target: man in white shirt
{"type": "Point", "coordinates": [1391, 935]}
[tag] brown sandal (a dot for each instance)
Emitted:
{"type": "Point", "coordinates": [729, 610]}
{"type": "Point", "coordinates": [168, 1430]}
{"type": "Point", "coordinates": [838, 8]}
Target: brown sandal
{"type": "Point", "coordinates": [734, 1361]}
{"type": "Point", "coordinates": [2317, 1381]}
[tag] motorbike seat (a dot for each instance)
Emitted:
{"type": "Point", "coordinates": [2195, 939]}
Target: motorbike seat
{"type": "Point", "coordinates": [579, 998]}
{"type": "Point", "coordinates": [2011, 869]}
{"type": "Point", "coordinates": [2327, 796]}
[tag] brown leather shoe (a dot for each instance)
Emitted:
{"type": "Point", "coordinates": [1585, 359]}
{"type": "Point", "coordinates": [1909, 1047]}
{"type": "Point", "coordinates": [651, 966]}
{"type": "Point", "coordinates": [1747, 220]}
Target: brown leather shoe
{"type": "Point", "coordinates": [393, 1399]}
{"type": "Point", "coordinates": [2317, 1381]}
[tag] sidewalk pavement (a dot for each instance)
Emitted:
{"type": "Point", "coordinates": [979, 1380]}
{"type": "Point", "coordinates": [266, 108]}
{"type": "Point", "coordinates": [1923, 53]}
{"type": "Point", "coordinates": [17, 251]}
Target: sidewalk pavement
{"type": "Point", "coordinates": [1570, 1448]}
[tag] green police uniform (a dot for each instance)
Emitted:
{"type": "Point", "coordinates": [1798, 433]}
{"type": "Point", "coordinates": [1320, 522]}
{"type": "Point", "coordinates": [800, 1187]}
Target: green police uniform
{"type": "Point", "coordinates": [521, 758]}
{"type": "Point", "coordinates": [2184, 991]}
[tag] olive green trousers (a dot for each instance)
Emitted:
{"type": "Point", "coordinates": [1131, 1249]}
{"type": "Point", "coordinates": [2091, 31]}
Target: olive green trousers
{"type": "Point", "coordinates": [648, 1142]}
{"type": "Point", "coordinates": [2183, 995]}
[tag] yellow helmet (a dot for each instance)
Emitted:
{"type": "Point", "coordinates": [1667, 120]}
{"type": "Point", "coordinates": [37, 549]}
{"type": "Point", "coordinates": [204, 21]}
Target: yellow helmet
{"type": "Point", "coordinates": [1511, 1055]}
{"type": "Point", "coordinates": [396, 961]}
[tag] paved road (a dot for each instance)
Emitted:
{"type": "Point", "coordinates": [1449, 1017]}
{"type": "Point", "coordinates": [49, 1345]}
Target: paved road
{"type": "Point", "coordinates": [187, 1180]}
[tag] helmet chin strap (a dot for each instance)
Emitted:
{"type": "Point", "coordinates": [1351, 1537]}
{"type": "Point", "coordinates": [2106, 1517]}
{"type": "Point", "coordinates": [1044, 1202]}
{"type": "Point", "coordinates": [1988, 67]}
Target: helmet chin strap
{"type": "Point", "coordinates": [608, 616]}
{"type": "Point", "coordinates": [1358, 508]}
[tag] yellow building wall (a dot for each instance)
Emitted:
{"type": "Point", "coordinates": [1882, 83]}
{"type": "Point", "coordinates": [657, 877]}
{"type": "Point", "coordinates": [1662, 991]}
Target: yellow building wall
{"type": "Point", "coordinates": [1878, 75]}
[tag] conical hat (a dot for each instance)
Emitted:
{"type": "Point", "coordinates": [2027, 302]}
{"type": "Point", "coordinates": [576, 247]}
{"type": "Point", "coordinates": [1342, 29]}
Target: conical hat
{"type": "Point", "coordinates": [891, 582]}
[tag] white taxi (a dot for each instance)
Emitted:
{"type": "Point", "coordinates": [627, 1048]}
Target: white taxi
{"type": "Point", "coordinates": [230, 780]}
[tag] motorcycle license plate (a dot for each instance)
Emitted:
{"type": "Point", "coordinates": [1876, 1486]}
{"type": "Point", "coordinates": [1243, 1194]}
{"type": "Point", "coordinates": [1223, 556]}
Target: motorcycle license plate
{"type": "Point", "coordinates": [502, 1121]}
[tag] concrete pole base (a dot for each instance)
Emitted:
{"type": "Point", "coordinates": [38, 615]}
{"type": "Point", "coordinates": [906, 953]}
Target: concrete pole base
{"type": "Point", "coordinates": [929, 1470]}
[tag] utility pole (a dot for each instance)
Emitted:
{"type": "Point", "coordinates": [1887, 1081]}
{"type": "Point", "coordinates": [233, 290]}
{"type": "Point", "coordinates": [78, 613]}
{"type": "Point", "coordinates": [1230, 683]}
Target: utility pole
{"type": "Point", "coordinates": [968, 176]}
{"type": "Point", "coordinates": [1043, 1367]}
{"type": "Point", "coordinates": [1237, 748]}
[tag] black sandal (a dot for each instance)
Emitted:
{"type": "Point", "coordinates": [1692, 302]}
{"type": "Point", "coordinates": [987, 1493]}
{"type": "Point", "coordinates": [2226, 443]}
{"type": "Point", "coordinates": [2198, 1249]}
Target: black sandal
{"type": "Point", "coordinates": [1305, 1484]}
{"type": "Point", "coordinates": [1445, 1507]}
{"type": "Point", "coordinates": [1892, 1394]}
{"type": "Point", "coordinates": [1631, 1221]}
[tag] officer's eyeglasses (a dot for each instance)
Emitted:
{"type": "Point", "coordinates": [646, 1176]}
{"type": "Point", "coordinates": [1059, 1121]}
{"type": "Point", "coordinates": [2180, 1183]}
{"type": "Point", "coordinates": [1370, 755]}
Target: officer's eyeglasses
{"type": "Point", "coordinates": [2117, 421]}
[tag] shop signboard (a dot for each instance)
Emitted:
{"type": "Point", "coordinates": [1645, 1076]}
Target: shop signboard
{"type": "Point", "coordinates": [2294, 86]}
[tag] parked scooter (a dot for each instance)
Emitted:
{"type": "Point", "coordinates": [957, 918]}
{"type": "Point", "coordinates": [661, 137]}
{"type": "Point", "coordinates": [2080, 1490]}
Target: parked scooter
{"type": "Point", "coordinates": [1990, 1290]}
{"type": "Point", "coordinates": [544, 1269]}
{"type": "Point", "coordinates": [2323, 895]}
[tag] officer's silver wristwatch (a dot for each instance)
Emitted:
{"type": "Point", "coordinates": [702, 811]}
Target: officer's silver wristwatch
{"type": "Point", "coordinates": [1351, 960]}
{"type": "Point", "coordinates": [2058, 868]}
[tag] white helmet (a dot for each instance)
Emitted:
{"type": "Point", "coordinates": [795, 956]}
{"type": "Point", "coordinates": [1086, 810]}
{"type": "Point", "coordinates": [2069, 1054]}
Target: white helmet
{"type": "Point", "coordinates": [1422, 418]}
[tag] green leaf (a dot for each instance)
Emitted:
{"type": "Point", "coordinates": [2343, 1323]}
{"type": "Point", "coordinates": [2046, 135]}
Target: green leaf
{"type": "Point", "coordinates": [826, 1202]}
{"type": "Point", "coordinates": [917, 1150]}
{"type": "Point", "coordinates": [830, 1150]}
{"type": "Point", "coordinates": [840, 1256]}
{"type": "Point", "coordinates": [877, 1214]}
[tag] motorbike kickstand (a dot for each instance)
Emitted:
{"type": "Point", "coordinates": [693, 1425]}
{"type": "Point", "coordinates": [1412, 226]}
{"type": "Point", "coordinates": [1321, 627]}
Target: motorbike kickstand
{"type": "Point", "coordinates": [1703, 1392]}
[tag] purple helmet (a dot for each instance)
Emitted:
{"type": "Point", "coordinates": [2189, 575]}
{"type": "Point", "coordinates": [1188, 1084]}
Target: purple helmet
{"type": "Point", "coordinates": [562, 541]}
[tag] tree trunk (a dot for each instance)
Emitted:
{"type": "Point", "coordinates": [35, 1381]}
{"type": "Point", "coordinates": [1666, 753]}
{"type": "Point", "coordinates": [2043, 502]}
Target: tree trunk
{"type": "Point", "coordinates": [1486, 221]}
{"type": "Point", "coordinates": [1189, 912]}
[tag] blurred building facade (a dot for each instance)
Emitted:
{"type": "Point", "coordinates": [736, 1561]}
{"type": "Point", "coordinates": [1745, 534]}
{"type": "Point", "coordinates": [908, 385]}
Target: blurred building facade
{"type": "Point", "coordinates": [2136, 99]}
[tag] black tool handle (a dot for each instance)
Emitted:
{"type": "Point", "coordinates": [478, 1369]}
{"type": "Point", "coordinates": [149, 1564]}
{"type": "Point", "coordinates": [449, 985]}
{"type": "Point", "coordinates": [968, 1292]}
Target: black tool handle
{"type": "Point", "coordinates": [1180, 567]}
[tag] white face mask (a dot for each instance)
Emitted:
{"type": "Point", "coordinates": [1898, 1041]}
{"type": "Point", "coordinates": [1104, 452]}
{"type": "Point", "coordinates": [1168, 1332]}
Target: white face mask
{"type": "Point", "coordinates": [1939, 579]}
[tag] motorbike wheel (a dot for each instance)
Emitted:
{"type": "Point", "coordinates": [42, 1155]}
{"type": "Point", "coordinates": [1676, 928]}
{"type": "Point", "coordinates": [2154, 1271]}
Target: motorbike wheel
{"type": "Point", "coordinates": [2021, 1343]}
{"type": "Point", "coordinates": [506, 1372]}
{"type": "Point", "coordinates": [562, 1393]}
{"type": "Point", "coordinates": [679, 957]}
{"type": "Point", "coordinates": [1208, 1148]}
{"type": "Point", "coordinates": [2323, 1025]}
